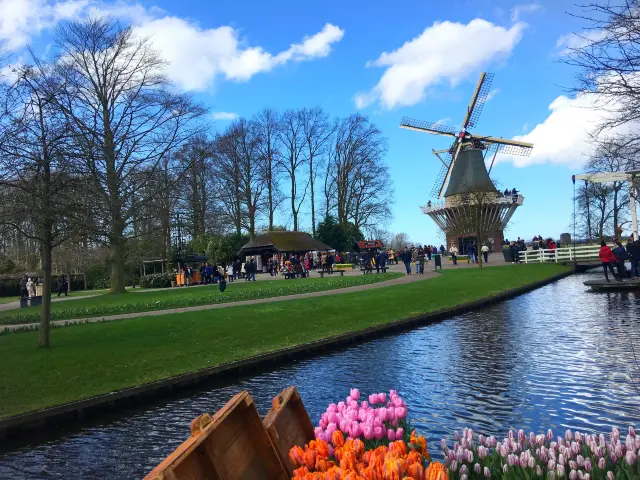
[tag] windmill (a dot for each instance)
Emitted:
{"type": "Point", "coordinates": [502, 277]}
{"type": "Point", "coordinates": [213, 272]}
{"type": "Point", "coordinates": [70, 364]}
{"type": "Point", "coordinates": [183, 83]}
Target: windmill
{"type": "Point", "coordinates": [465, 140]}
{"type": "Point", "coordinates": [464, 170]}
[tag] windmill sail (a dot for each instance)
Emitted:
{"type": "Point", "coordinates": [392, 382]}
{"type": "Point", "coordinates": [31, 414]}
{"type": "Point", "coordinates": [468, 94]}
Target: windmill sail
{"type": "Point", "coordinates": [428, 127]}
{"type": "Point", "coordinates": [478, 100]}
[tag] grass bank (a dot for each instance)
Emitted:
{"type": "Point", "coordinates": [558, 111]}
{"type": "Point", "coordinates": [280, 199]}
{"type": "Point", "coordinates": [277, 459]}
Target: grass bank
{"type": "Point", "coordinates": [163, 299]}
{"type": "Point", "coordinates": [91, 359]}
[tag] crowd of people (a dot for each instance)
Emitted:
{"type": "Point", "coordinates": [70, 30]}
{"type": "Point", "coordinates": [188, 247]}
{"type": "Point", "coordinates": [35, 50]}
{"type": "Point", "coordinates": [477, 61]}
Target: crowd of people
{"type": "Point", "coordinates": [618, 257]}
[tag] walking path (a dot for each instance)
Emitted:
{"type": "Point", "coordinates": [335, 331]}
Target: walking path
{"type": "Point", "coordinates": [396, 281]}
{"type": "Point", "coordinates": [429, 273]}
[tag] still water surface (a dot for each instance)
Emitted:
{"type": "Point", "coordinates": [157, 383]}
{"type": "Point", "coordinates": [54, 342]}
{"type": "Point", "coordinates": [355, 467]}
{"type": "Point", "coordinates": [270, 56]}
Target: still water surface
{"type": "Point", "coordinates": [558, 357]}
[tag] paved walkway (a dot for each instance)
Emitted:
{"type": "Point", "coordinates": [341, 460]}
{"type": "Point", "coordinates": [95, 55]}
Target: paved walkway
{"type": "Point", "coordinates": [429, 273]}
{"type": "Point", "coordinates": [396, 281]}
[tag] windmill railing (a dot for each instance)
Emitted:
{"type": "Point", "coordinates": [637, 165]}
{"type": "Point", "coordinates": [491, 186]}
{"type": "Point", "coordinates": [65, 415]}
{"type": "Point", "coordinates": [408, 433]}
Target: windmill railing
{"type": "Point", "coordinates": [502, 200]}
{"type": "Point", "coordinates": [563, 254]}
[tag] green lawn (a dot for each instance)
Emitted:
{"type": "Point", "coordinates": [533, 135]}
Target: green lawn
{"type": "Point", "coordinates": [8, 299]}
{"type": "Point", "coordinates": [161, 299]}
{"type": "Point", "coordinates": [91, 359]}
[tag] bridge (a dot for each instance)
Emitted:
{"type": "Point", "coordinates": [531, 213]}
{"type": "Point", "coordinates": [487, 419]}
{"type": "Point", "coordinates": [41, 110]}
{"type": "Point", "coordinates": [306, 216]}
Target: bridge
{"type": "Point", "coordinates": [582, 256]}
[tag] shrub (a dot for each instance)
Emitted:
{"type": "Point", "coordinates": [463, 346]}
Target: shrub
{"type": "Point", "coordinates": [157, 280]}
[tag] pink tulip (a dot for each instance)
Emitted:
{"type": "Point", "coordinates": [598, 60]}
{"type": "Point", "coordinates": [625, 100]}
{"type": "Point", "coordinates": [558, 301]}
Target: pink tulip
{"type": "Point", "coordinates": [602, 463]}
{"type": "Point", "coordinates": [487, 472]}
{"type": "Point", "coordinates": [400, 433]}
{"type": "Point", "coordinates": [401, 412]}
{"type": "Point", "coordinates": [382, 398]}
{"type": "Point", "coordinates": [367, 431]}
{"type": "Point", "coordinates": [373, 399]}
{"type": "Point", "coordinates": [332, 427]}
{"type": "Point", "coordinates": [356, 430]}
{"type": "Point", "coordinates": [378, 432]}
{"type": "Point", "coordinates": [364, 405]}
{"type": "Point", "coordinates": [391, 435]}
{"type": "Point", "coordinates": [355, 394]}
{"type": "Point", "coordinates": [630, 457]}
{"type": "Point", "coordinates": [318, 431]}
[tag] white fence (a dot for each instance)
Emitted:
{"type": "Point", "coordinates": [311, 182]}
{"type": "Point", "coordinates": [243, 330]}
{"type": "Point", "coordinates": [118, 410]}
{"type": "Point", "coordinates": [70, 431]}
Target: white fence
{"type": "Point", "coordinates": [564, 254]}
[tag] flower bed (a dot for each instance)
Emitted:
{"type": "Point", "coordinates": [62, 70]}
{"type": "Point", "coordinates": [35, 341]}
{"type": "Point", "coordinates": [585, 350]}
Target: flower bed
{"type": "Point", "coordinates": [378, 444]}
{"type": "Point", "coordinates": [379, 447]}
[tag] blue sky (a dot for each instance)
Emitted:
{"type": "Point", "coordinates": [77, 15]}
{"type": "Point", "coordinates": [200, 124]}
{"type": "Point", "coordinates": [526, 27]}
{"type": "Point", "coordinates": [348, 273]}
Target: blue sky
{"type": "Point", "coordinates": [238, 57]}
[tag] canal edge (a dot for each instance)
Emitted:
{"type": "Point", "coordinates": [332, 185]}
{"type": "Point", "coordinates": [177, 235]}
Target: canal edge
{"type": "Point", "coordinates": [82, 409]}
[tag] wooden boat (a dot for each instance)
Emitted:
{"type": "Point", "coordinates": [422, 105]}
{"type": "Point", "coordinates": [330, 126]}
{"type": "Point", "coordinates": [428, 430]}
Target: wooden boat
{"type": "Point", "coordinates": [602, 284]}
{"type": "Point", "coordinates": [235, 444]}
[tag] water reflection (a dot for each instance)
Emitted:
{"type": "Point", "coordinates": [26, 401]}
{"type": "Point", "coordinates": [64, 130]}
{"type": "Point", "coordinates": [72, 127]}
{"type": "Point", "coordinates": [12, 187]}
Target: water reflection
{"type": "Point", "coordinates": [557, 357]}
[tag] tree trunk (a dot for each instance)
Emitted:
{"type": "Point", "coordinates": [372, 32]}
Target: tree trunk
{"type": "Point", "coordinates": [293, 203]}
{"type": "Point", "coordinates": [313, 197]}
{"type": "Point", "coordinates": [45, 309]}
{"type": "Point", "coordinates": [117, 251]}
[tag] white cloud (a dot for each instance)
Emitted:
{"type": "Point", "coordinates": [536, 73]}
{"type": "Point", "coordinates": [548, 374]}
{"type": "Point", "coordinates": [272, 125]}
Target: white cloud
{"type": "Point", "coordinates": [563, 137]}
{"type": "Point", "coordinates": [571, 41]}
{"type": "Point", "coordinates": [446, 51]}
{"type": "Point", "coordinates": [492, 94]}
{"type": "Point", "coordinates": [443, 121]}
{"type": "Point", "coordinates": [525, 127]}
{"type": "Point", "coordinates": [20, 20]}
{"type": "Point", "coordinates": [198, 56]}
{"type": "Point", "coordinates": [518, 10]}
{"type": "Point", "coordinates": [224, 115]}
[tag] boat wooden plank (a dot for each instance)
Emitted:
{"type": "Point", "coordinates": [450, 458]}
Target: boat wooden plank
{"type": "Point", "coordinates": [231, 445]}
{"type": "Point", "coordinates": [288, 424]}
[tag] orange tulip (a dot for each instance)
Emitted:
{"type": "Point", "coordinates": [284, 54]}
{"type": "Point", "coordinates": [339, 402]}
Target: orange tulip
{"type": "Point", "coordinates": [348, 461]}
{"type": "Point", "coordinates": [296, 454]}
{"type": "Point", "coordinates": [393, 469]}
{"type": "Point", "coordinates": [310, 458]}
{"type": "Point", "coordinates": [337, 438]}
{"type": "Point", "coordinates": [436, 471]}
{"type": "Point", "coordinates": [416, 471]}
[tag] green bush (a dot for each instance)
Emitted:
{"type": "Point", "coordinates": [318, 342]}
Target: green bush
{"type": "Point", "coordinates": [157, 280]}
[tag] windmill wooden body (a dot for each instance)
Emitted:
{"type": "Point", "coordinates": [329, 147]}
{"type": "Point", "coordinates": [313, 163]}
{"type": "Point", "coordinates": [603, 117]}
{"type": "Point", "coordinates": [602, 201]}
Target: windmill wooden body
{"type": "Point", "coordinates": [464, 180]}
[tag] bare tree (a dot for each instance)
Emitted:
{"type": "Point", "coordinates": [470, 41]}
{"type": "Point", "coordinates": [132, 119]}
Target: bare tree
{"type": "Point", "coordinates": [120, 107]}
{"type": "Point", "coordinates": [39, 186]}
{"type": "Point", "coordinates": [317, 134]}
{"type": "Point", "coordinates": [266, 127]}
{"type": "Point", "coordinates": [196, 184]}
{"type": "Point", "coordinates": [608, 59]}
{"type": "Point", "coordinates": [356, 172]}
{"type": "Point", "coordinates": [293, 160]}
{"type": "Point", "coordinates": [594, 210]}
{"type": "Point", "coordinates": [229, 178]}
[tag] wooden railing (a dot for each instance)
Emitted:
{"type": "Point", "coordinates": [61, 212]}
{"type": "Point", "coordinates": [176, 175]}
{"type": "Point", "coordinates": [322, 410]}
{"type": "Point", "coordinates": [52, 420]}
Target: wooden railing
{"type": "Point", "coordinates": [564, 254]}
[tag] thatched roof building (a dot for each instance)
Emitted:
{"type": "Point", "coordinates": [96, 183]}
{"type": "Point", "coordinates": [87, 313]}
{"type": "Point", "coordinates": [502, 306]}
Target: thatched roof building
{"type": "Point", "coordinates": [282, 242]}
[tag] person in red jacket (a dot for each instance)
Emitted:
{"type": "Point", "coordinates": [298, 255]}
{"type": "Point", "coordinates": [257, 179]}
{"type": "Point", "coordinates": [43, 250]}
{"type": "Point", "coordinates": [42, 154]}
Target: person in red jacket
{"type": "Point", "coordinates": [607, 258]}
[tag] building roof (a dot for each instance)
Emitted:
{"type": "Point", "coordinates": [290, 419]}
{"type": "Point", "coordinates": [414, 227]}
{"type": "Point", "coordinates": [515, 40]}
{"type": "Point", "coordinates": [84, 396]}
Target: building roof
{"type": "Point", "coordinates": [365, 244]}
{"type": "Point", "coordinates": [279, 242]}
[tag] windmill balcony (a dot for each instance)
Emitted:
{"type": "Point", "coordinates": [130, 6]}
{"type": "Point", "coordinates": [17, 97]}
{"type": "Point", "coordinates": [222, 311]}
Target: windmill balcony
{"type": "Point", "coordinates": [434, 207]}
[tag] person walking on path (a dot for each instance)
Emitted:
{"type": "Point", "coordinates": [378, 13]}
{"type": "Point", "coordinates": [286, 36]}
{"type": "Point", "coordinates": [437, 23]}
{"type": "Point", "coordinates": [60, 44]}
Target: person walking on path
{"type": "Point", "coordinates": [454, 254]}
{"type": "Point", "coordinates": [31, 288]}
{"type": "Point", "coordinates": [382, 261]}
{"type": "Point", "coordinates": [607, 258]}
{"type": "Point", "coordinates": [420, 261]}
{"type": "Point", "coordinates": [405, 256]}
{"type": "Point", "coordinates": [230, 273]}
{"type": "Point", "coordinates": [63, 286]}
{"type": "Point", "coordinates": [485, 253]}
{"type": "Point", "coordinates": [470, 257]}
{"type": "Point", "coordinates": [24, 293]}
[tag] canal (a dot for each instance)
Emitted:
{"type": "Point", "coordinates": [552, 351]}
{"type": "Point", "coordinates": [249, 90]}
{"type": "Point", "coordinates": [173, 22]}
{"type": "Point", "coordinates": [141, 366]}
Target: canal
{"type": "Point", "coordinates": [558, 357]}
